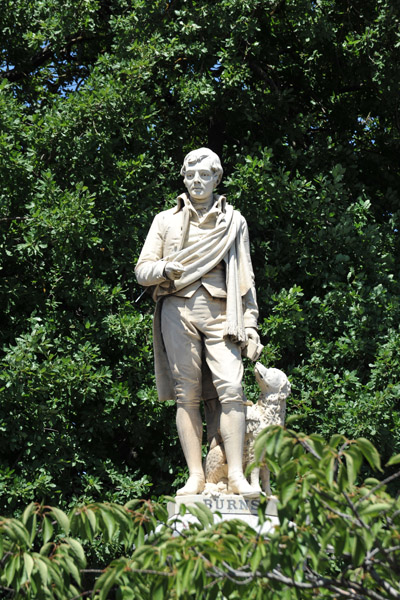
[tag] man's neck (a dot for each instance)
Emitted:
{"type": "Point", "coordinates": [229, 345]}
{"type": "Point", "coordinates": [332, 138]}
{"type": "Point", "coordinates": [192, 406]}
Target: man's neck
{"type": "Point", "coordinates": [202, 206]}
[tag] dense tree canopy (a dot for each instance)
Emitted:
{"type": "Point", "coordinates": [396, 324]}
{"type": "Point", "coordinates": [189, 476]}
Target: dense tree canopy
{"type": "Point", "coordinates": [100, 101]}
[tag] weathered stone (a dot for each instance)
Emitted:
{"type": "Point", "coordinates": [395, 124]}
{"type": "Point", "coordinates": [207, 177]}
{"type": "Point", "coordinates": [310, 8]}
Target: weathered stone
{"type": "Point", "coordinates": [196, 259]}
{"type": "Point", "coordinates": [225, 508]}
{"type": "Point", "coordinates": [232, 504]}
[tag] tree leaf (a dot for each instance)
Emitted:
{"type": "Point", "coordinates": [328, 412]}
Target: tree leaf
{"type": "Point", "coordinates": [61, 519]}
{"type": "Point", "coordinates": [370, 453]}
{"type": "Point", "coordinates": [28, 565]}
{"type": "Point", "coordinates": [41, 566]}
{"type": "Point", "coordinates": [29, 510]}
{"type": "Point", "coordinates": [358, 549]}
{"type": "Point", "coordinates": [77, 551]}
{"type": "Point", "coordinates": [287, 491]}
{"type": "Point", "coordinates": [374, 509]}
{"type": "Point", "coordinates": [47, 529]}
{"type": "Point", "coordinates": [394, 460]}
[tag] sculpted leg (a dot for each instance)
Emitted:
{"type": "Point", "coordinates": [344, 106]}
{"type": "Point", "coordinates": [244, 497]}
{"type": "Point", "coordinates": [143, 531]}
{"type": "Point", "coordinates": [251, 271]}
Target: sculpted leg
{"type": "Point", "coordinates": [232, 431]}
{"type": "Point", "coordinates": [255, 479]}
{"type": "Point", "coordinates": [212, 413]}
{"type": "Point", "coordinates": [224, 360]}
{"type": "Point", "coordinates": [265, 480]}
{"type": "Point", "coordinates": [184, 346]}
{"type": "Point", "coordinates": [190, 430]}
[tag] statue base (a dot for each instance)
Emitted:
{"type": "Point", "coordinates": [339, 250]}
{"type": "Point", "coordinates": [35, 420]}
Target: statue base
{"type": "Point", "coordinates": [229, 506]}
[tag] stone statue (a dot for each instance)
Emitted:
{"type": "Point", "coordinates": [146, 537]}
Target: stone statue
{"type": "Point", "coordinates": [270, 409]}
{"type": "Point", "coordinates": [196, 260]}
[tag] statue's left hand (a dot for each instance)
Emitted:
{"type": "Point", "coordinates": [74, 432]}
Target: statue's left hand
{"type": "Point", "coordinates": [252, 334]}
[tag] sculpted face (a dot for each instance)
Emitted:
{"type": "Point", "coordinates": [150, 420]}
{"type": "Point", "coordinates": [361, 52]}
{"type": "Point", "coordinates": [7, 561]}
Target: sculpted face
{"type": "Point", "coordinates": [200, 180]}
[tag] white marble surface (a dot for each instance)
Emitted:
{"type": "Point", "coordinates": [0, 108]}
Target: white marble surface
{"type": "Point", "coordinates": [225, 508]}
{"type": "Point", "coordinates": [226, 504]}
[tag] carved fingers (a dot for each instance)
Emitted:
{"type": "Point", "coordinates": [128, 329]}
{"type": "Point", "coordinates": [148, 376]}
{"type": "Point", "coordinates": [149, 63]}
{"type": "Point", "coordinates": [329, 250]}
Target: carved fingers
{"type": "Point", "coordinates": [173, 270]}
{"type": "Point", "coordinates": [252, 334]}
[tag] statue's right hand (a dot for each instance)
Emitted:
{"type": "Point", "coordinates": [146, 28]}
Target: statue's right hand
{"type": "Point", "coordinates": [173, 270]}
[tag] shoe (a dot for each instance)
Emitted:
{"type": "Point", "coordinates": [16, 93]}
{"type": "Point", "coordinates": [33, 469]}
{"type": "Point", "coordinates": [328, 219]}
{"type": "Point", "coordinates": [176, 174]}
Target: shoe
{"type": "Point", "coordinates": [194, 485]}
{"type": "Point", "coordinates": [238, 484]}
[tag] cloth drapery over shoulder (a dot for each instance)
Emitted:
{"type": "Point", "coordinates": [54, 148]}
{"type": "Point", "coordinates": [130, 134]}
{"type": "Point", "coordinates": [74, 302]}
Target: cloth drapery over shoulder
{"type": "Point", "coordinates": [225, 242]}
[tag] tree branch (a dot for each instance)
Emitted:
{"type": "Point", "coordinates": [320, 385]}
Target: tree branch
{"type": "Point", "coordinates": [307, 447]}
{"type": "Point", "coordinates": [355, 591]}
{"type": "Point", "coordinates": [334, 511]}
{"type": "Point", "coordinates": [386, 586]}
{"type": "Point", "coordinates": [355, 512]}
{"type": "Point", "coordinates": [378, 486]}
{"type": "Point", "coordinates": [82, 595]}
{"type": "Point", "coordinates": [41, 57]}
{"type": "Point", "coordinates": [261, 73]}
{"type": "Point", "coordinates": [13, 218]}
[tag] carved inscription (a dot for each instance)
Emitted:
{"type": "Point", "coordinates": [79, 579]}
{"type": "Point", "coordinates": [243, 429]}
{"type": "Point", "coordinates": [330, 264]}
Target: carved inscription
{"type": "Point", "coordinates": [232, 505]}
{"type": "Point", "coordinates": [229, 504]}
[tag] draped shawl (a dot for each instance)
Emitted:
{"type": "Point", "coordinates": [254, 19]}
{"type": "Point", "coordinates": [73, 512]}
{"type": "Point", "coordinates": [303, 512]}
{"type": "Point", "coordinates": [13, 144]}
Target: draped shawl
{"type": "Point", "coordinates": [224, 242]}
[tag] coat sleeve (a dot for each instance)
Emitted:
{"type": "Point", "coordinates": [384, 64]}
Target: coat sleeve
{"type": "Point", "coordinates": [150, 266]}
{"type": "Point", "coordinates": [250, 307]}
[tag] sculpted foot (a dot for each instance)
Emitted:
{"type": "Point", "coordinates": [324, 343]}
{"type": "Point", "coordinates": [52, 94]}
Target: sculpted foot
{"type": "Point", "coordinates": [256, 487]}
{"type": "Point", "coordinates": [194, 485]}
{"type": "Point", "coordinates": [238, 484]}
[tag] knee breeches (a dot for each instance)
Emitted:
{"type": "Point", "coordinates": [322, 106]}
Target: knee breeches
{"type": "Point", "coordinates": [192, 330]}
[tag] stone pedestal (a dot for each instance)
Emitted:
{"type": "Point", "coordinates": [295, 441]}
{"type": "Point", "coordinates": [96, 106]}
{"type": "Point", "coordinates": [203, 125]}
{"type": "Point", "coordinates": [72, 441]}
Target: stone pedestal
{"type": "Point", "coordinates": [230, 506]}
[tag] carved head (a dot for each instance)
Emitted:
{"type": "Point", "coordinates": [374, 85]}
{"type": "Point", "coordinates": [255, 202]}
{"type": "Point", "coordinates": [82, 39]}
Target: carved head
{"type": "Point", "coordinates": [206, 156]}
{"type": "Point", "coordinates": [272, 381]}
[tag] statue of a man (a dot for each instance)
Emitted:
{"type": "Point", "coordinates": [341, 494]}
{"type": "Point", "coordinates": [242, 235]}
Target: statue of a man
{"type": "Point", "coordinates": [196, 258]}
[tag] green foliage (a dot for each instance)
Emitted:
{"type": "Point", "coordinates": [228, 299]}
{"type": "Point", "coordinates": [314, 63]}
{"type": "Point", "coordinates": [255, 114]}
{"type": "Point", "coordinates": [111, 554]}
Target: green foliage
{"type": "Point", "coordinates": [337, 537]}
{"type": "Point", "coordinates": [100, 100]}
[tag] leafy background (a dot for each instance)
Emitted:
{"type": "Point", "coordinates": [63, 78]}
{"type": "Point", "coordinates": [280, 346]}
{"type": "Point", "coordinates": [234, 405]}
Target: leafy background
{"type": "Point", "coordinates": [100, 100]}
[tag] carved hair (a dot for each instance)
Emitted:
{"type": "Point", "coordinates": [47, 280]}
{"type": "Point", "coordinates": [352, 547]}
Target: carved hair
{"type": "Point", "coordinates": [198, 155]}
{"type": "Point", "coordinates": [282, 393]}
